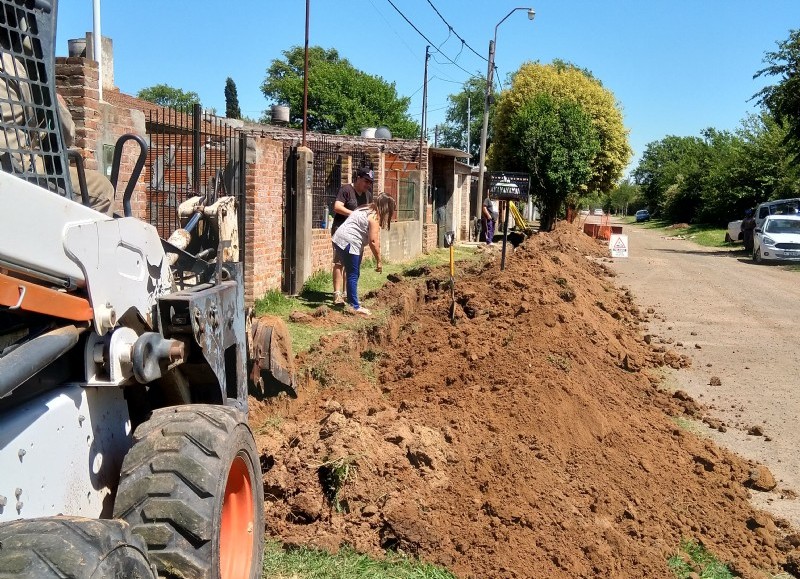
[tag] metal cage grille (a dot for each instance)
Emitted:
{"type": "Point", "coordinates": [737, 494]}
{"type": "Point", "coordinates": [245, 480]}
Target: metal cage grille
{"type": "Point", "coordinates": [31, 142]}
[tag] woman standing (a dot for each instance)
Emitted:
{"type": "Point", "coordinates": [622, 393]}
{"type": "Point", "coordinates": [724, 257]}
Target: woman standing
{"type": "Point", "coordinates": [362, 227]}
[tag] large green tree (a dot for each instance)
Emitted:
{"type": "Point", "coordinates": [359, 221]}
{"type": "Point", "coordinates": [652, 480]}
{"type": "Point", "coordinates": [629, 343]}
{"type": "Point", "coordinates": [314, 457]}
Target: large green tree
{"type": "Point", "coordinates": [232, 110]}
{"type": "Point", "coordinates": [568, 83]}
{"type": "Point", "coordinates": [341, 98]}
{"type": "Point", "coordinates": [168, 96]}
{"type": "Point", "coordinates": [668, 174]}
{"type": "Point", "coordinates": [783, 98]}
{"type": "Point", "coordinates": [454, 130]}
{"type": "Point", "coordinates": [556, 142]}
{"type": "Point", "coordinates": [624, 196]}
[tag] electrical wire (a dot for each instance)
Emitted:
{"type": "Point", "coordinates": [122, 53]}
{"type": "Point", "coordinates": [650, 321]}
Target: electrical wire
{"type": "Point", "coordinates": [428, 40]}
{"type": "Point", "coordinates": [451, 29]}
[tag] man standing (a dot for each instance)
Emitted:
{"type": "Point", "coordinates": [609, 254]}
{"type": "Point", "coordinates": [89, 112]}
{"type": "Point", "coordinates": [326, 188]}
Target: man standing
{"type": "Point", "coordinates": [349, 197]}
{"type": "Point", "coordinates": [490, 216]}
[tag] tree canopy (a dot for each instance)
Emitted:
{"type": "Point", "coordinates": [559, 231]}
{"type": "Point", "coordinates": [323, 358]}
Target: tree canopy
{"type": "Point", "coordinates": [565, 82]}
{"type": "Point", "coordinates": [341, 98]}
{"type": "Point", "coordinates": [168, 96]}
{"type": "Point", "coordinates": [556, 142]}
{"type": "Point", "coordinates": [783, 98]}
{"type": "Point", "coordinates": [713, 178]}
{"type": "Point", "coordinates": [455, 127]}
{"type": "Point", "coordinates": [232, 110]}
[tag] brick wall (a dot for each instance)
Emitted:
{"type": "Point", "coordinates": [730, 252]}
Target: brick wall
{"type": "Point", "coordinates": [263, 217]}
{"type": "Point", "coordinates": [321, 250]}
{"type": "Point", "coordinates": [98, 124]}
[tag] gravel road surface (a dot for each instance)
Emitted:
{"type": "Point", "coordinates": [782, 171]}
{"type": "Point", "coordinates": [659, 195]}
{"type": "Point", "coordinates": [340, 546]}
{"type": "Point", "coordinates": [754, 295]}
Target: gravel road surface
{"type": "Point", "coordinates": [740, 322]}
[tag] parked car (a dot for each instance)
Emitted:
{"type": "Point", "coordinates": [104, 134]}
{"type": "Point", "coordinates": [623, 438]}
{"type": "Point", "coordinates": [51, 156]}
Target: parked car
{"type": "Point", "coordinates": [598, 211]}
{"type": "Point", "coordinates": [777, 207]}
{"type": "Point", "coordinates": [642, 215]}
{"type": "Point", "coordinates": [778, 239]}
{"type": "Point", "coordinates": [734, 232]}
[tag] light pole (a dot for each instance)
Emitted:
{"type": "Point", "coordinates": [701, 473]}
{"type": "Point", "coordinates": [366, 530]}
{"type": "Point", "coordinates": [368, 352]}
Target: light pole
{"type": "Point", "coordinates": [484, 129]}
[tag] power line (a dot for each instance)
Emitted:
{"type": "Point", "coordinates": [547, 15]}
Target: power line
{"type": "Point", "coordinates": [451, 29]}
{"type": "Point", "coordinates": [428, 40]}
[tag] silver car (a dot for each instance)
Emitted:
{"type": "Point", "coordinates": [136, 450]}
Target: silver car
{"type": "Point", "coordinates": [777, 239]}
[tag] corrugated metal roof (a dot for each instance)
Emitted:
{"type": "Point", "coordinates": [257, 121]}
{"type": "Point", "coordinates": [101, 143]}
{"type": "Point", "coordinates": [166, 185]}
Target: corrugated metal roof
{"type": "Point", "coordinates": [448, 152]}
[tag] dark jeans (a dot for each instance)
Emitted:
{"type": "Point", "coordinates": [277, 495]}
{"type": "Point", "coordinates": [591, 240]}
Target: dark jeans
{"type": "Point", "coordinates": [352, 271]}
{"type": "Point", "coordinates": [488, 227]}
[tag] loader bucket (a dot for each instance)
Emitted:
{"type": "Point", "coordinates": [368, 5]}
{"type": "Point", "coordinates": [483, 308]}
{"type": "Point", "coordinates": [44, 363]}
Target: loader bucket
{"type": "Point", "coordinates": [271, 363]}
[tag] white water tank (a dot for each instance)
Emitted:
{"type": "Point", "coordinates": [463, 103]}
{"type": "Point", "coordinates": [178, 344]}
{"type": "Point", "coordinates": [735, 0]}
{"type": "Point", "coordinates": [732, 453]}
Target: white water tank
{"type": "Point", "coordinates": [280, 115]}
{"type": "Point", "coordinates": [368, 133]}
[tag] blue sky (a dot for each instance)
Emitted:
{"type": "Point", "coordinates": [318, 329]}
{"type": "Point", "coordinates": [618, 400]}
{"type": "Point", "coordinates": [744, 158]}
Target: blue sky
{"type": "Point", "coordinates": [676, 67]}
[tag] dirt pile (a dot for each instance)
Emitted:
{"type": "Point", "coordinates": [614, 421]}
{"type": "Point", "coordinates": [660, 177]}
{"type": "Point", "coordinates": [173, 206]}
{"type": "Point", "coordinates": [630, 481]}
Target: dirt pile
{"type": "Point", "coordinates": [528, 440]}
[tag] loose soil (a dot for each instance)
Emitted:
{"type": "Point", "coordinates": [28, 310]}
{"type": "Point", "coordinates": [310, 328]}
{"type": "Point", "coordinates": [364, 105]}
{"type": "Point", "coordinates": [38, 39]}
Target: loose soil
{"type": "Point", "coordinates": [530, 439]}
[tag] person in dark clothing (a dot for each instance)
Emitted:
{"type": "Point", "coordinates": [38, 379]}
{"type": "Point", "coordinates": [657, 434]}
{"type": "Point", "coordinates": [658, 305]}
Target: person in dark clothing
{"type": "Point", "coordinates": [348, 199]}
{"type": "Point", "coordinates": [490, 217]}
{"type": "Point", "coordinates": [748, 229]}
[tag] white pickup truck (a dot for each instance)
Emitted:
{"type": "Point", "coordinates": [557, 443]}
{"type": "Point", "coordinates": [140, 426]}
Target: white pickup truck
{"type": "Point", "coordinates": [734, 232]}
{"type": "Point", "coordinates": [763, 210]}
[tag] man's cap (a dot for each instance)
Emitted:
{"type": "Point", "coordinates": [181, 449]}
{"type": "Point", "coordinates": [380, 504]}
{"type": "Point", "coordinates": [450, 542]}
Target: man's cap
{"type": "Point", "coordinates": [366, 174]}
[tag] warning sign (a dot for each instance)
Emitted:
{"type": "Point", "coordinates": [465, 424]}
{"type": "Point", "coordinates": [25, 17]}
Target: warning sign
{"type": "Point", "coordinates": [618, 245]}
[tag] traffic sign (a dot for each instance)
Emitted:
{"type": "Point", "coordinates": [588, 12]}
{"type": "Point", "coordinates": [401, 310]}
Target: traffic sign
{"type": "Point", "coordinates": [618, 244]}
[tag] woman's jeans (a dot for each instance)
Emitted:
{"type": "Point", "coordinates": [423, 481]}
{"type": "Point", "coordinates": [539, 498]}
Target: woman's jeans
{"type": "Point", "coordinates": [352, 271]}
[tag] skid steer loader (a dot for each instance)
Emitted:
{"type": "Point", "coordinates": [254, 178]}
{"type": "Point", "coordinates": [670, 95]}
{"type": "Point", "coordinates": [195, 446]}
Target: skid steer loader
{"type": "Point", "coordinates": [124, 360]}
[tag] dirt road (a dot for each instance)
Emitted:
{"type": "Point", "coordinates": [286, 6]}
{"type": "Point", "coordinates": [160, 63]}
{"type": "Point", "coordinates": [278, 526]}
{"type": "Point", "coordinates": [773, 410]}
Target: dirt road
{"type": "Point", "coordinates": [739, 321]}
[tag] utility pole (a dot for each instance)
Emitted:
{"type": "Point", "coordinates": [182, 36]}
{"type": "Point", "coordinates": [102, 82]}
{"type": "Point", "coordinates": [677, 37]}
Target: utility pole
{"type": "Point", "coordinates": [469, 123]}
{"type": "Point", "coordinates": [424, 120]}
{"type": "Point", "coordinates": [305, 77]}
{"type": "Point", "coordinates": [485, 128]}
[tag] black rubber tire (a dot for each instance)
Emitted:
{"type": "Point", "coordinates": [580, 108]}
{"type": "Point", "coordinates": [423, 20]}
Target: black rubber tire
{"type": "Point", "coordinates": [173, 483]}
{"type": "Point", "coordinates": [728, 238]}
{"type": "Point", "coordinates": [72, 547]}
{"type": "Point", "coordinates": [757, 256]}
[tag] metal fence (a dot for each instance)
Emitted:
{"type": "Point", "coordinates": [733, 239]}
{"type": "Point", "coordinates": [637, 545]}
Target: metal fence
{"type": "Point", "coordinates": [330, 164]}
{"type": "Point", "coordinates": [191, 154]}
{"type": "Point", "coordinates": [406, 194]}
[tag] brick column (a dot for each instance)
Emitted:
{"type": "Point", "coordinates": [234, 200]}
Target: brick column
{"type": "Point", "coordinates": [77, 80]}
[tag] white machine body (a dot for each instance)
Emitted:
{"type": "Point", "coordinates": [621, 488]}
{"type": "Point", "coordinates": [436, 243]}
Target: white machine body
{"type": "Point", "coordinates": [61, 453]}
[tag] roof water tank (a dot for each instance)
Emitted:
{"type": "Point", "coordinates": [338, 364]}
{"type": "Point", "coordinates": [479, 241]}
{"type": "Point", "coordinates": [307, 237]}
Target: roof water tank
{"type": "Point", "coordinates": [368, 133]}
{"type": "Point", "coordinates": [280, 115]}
{"type": "Point", "coordinates": [383, 133]}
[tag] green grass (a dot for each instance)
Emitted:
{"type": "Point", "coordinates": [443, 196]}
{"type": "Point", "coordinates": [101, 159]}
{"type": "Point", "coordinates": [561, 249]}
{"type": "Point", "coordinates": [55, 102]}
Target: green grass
{"type": "Point", "coordinates": [304, 563]}
{"type": "Point", "coordinates": [706, 235]}
{"type": "Point", "coordinates": [694, 558]}
{"type": "Point", "coordinates": [318, 291]}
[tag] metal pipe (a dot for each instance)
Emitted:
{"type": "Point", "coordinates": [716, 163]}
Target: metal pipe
{"type": "Point", "coordinates": [97, 43]}
{"type": "Point", "coordinates": [23, 363]}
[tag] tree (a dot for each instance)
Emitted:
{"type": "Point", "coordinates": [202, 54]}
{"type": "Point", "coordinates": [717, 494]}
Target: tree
{"type": "Point", "coordinates": [568, 83]}
{"type": "Point", "coordinates": [556, 142]}
{"type": "Point", "coordinates": [454, 130]}
{"type": "Point", "coordinates": [625, 194]}
{"type": "Point", "coordinates": [668, 174]}
{"type": "Point", "coordinates": [232, 110]}
{"type": "Point", "coordinates": [783, 99]}
{"type": "Point", "coordinates": [167, 96]}
{"type": "Point", "coordinates": [341, 99]}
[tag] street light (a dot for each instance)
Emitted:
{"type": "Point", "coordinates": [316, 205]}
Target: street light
{"type": "Point", "coordinates": [484, 129]}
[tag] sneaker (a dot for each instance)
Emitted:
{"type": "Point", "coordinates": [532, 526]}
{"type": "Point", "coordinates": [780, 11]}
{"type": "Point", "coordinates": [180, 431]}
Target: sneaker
{"type": "Point", "coordinates": [363, 312]}
{"type": "Point", "coordinates": [338, 300]}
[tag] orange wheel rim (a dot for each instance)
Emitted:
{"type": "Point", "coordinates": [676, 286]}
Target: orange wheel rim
{"type": "Point", "coordinates": [238, 519]}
